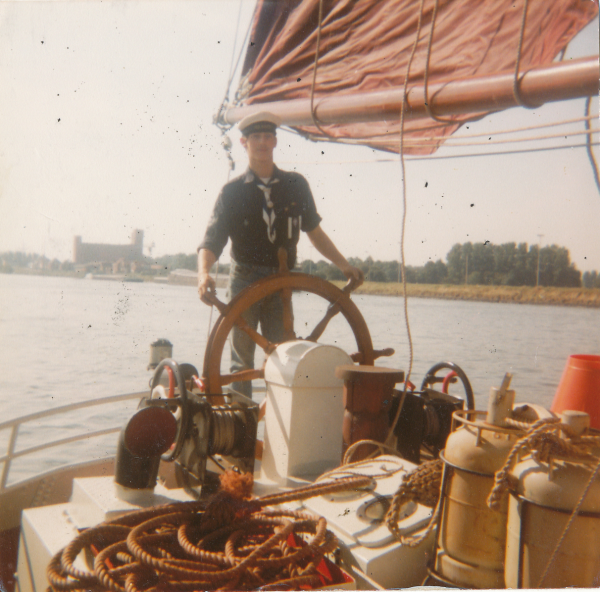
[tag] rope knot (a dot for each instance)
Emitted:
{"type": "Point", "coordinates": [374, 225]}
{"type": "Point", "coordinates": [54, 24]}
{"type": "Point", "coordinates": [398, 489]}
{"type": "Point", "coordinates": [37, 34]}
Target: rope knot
{"type": "Point", "coordinates": [232, 502]}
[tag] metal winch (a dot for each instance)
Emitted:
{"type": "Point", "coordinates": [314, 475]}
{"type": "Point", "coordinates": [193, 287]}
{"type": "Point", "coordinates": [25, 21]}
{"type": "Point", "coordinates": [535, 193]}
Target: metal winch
{"type": "Point", "coordinates": [426, 416]}
{"type": "Point", "coordinates": [190, 429]}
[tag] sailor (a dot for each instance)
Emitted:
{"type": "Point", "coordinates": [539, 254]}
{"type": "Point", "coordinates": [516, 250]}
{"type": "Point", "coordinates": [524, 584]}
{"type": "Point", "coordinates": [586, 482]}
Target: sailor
{"type": "Point", "coordinates": [260, 211]}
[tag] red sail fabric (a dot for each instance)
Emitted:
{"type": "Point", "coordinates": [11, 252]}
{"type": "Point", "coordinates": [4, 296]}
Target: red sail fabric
{"type": "Point", "coordinates": [365, 46]}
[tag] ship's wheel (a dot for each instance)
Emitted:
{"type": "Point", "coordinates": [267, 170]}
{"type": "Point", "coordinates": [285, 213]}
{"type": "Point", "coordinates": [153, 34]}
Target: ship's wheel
{"type": "Point", "coordinates": [286, 283]}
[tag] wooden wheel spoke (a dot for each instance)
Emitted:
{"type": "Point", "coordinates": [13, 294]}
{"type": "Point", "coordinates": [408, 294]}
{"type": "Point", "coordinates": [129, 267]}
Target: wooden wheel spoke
{"type": "Point", "coordinates": [286, 298]}
{"type": "Point", "coordinates": [288, 315]}
{"type": "Point", "coordinates": [359, 357]}
{"type": "Point", "coordinates": [260, 340]}
{"type": "Point", "coordinates": [284, 283]}
{"type": "Point", "coordinates": [211, 298]}
{"type": "Point", "coordinates": [320, 327]}
{"type": "Point", "coordinates": [241, 376]}
{"type": "Point", "coordinates": [332, 310]}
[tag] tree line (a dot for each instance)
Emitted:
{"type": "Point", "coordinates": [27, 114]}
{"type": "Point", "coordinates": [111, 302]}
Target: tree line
{"type": "Point", "coordinates": [509, 264]}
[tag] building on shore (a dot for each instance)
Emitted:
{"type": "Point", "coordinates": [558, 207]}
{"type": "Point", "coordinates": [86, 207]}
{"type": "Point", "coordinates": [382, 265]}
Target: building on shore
{"type": "Point", "coordinates": [110, 257]}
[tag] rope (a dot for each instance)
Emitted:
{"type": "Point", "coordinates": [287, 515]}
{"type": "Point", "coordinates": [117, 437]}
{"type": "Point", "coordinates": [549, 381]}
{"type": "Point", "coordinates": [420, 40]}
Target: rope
{"type": "Point", "coordinates": [447, 156]}
{"type": "Point", "coordinates": [592, 478]}
{"type": "Point", "coordinates": [502, 152]}
{"type": "Point", "coordinates": [589, 143]}
{"type": "Point", "coordinates": [349, 469]}
{"type": "Point", "coordinates": [356, 445]}
{"type": "Point", "coordinates": [231, 68]}
{"type": "Point", "coordinates": [226, 542]}
{"type": "Point", "coordinates": [224, 127]}
{"type": "Point", "coordinates": [426, 73]}
{"type": "Point", "coordinates": [509, 422]}
{"type": "Point", "coordinates": [425, 142]}
{"type": "Point", "coordinates": [516, 90]}
{"type": "Point", "coordinates": [390, 437]}
{"type": "Point", "coordinates": [314, 78]}
{"type": "Point", "coordinates": [403, 105]}
{"type": "Point", "coordinates": [544, 442]}
{"type": "Point", "coordinates": [422, 486]}
{"type": "Point", "coordinates": [523, 128]}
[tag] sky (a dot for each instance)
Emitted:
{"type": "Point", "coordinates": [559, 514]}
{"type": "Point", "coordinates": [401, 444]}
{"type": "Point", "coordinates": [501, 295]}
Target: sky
{"type": "Point", "coordinates": [106, 115]}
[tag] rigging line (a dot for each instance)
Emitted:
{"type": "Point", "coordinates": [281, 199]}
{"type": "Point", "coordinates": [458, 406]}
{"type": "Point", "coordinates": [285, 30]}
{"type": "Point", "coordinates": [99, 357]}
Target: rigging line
{"type": "Point", "coordinates": [234, 70]}
{"type": "Point", "coordinates": [226, 142]}
{"type": "Point", "coordinates": [430, 157]}
{"type": "Point", "coordinates": [501, 153]}
{"type": "Point", "coordinates": [589, 144]}
{"type": "Point", "coordinates": [526, 128]}
{"type": "Point", "coordinates": [329, 138]}
{"type": "Point", "coordinates": [426, 72]}
{"type": "Point", "coordinates": [431, 141]}
{"type": "Point", "coordinates": [390, 434]}
{"type": "Point", "coordinates": [314, 79]}
{"type": "Point", "coordinates": [360, 139]}
{"type": "Point", "coordinates": [237, 28]}
{"type": "Point", "coordinates": [516, 90]}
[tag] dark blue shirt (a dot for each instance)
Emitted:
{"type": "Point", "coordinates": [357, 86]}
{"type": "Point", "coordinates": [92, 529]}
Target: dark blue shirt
{"type": "Point", "coordinates": [259, 218]}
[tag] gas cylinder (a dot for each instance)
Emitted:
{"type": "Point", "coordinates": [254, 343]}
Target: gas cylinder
{"type": "Point", "coordinates": [472, 537]}
{"type": "Point", "coordinates": [547, 545]}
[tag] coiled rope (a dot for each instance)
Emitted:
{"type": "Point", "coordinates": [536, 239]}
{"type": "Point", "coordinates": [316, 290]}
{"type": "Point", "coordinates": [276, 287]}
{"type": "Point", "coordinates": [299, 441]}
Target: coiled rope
{"type": "Point", "coordinates": [224, 543]}
{"type": "Point", "coordinates": [422, 486]}
{"type": "Point", "coordinates": [544, 441]}
{"type": "Point", "coordinates": [547, 439]}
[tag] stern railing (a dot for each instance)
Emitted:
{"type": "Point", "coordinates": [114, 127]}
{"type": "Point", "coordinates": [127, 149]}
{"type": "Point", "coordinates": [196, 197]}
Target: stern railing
{"type": "Point", "coordinates": [15, 424]}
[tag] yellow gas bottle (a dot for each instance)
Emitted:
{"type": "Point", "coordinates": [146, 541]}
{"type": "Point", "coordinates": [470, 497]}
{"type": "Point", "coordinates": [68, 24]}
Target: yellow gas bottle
{"type": "Point", "coordinates": [553, 535]}
{"type": "Point", "coordinates": [472, 537]}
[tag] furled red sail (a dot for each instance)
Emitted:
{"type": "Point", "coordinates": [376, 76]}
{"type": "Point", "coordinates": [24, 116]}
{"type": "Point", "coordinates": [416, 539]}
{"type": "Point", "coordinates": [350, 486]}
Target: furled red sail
{"type": "Point", "coordinates": [365, 47]}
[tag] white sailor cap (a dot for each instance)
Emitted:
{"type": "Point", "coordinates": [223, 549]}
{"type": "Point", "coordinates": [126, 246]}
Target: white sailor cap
{"type": "Point", "coordinates": [262, 121]}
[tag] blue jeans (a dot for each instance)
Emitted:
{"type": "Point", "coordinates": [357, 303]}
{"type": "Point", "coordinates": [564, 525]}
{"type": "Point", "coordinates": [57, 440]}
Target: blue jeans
{"type": "Point", "coordinates": [268, 311]}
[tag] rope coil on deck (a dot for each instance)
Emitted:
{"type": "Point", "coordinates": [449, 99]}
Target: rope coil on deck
{"type": "Point", "coordinates": [422, 486]}
{"type": "Point", "coordinates": [223, 543]}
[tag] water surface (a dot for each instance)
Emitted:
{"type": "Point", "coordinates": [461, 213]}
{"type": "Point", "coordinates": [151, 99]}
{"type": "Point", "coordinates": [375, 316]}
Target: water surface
{"type": "Point", "coordinates": [65, 340]}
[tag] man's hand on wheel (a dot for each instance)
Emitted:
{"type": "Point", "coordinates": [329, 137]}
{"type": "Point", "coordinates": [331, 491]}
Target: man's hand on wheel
{"type": "Point", "coordinates": [354, 274]}
{"type": "Point", "coordinates": [206, 284]}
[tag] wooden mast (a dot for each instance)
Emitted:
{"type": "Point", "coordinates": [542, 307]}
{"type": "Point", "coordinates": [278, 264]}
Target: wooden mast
{"type": "Point", "coordinates": [556, 82]}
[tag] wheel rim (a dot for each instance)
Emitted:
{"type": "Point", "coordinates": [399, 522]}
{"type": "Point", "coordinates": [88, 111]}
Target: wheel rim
{"type": "Point", "coordinates": [265, 287]}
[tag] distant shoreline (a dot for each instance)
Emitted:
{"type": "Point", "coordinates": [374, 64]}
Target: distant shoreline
{"type": "Point", "coordinates": [585, 297]}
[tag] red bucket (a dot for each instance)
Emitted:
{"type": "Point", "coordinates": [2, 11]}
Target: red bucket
{"type": "Point", "coordinates": [579, 388]}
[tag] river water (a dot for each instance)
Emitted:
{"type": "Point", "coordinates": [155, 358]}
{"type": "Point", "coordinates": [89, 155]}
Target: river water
{"type": "Point", "coordinates": [64, 340]}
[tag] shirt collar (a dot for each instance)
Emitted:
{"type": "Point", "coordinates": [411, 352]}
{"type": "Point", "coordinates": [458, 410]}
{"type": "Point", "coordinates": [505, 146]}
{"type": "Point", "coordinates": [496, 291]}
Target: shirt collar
{"type": "Point", "coordinates": [250, 176]}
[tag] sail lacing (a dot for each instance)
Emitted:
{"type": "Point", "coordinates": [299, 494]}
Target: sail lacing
{"type": "Point", "coordinates": [426, 72]}
{"type": "Point", "coordinates": [314, 78]}
{"type": "Point", "coordinates": [516, 81]}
